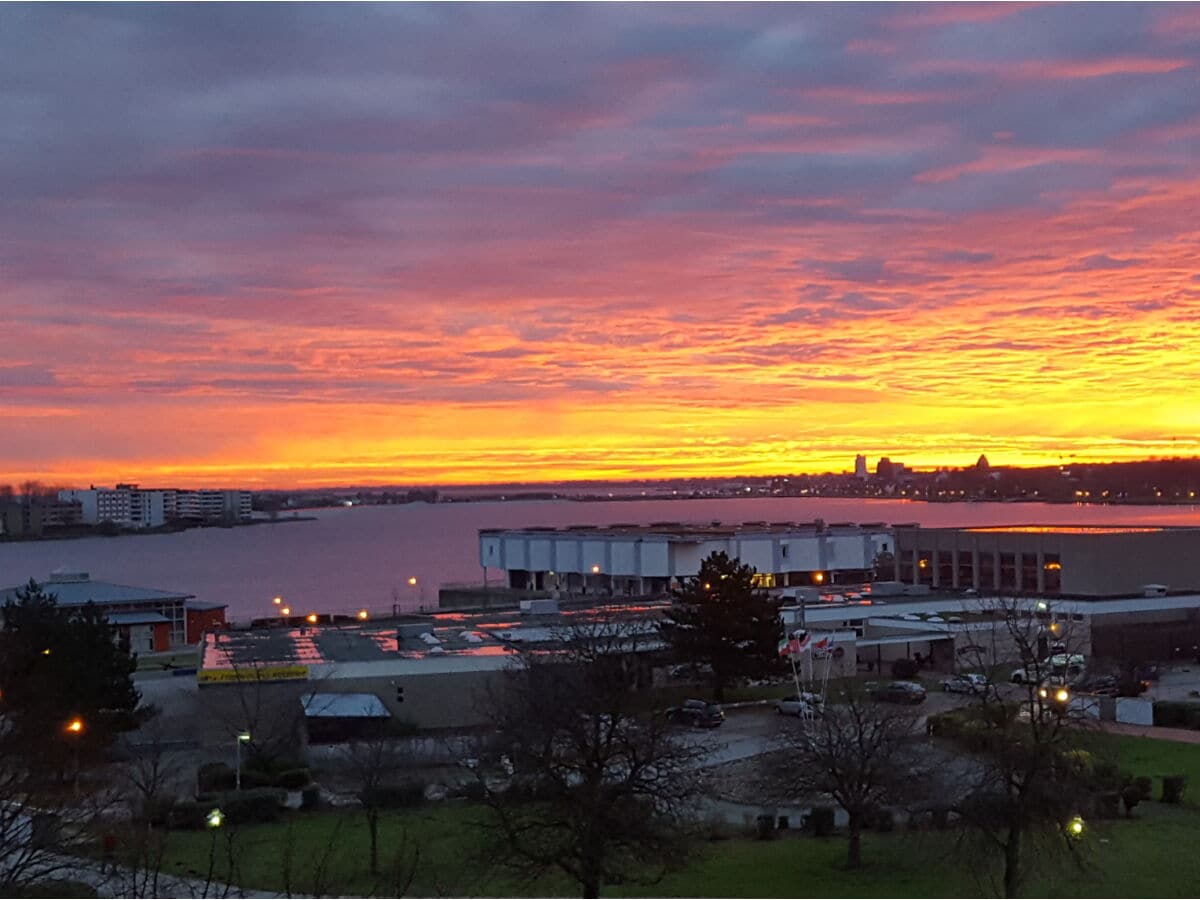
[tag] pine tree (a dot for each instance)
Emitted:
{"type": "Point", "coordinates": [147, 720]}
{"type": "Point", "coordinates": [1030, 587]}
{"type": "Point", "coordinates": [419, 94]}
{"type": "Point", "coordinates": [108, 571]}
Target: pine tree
{"type": "Point", "coordinates": [720, 620]}
{"type": "Point", "coordinates": [59, 664]}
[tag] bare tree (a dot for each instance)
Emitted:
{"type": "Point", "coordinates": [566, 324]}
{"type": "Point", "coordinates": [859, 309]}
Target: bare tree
{"type": "Point", "coordinates": [580, 777]}
{"type": "Point", "coordinates": [372, 763]}
{"type": "Point", "coordinates": [1030, 782]}
{"type": "Point", "coordinates": [858, 753]}
{"type": "Point", "coordinates": [38, 824]}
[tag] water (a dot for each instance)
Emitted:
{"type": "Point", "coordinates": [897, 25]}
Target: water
{"type": "Point", "coordinates": [349, 558]}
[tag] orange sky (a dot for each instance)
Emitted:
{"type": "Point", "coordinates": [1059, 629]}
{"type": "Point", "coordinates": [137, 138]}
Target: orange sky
{"type": "Point", "coordinates": [456, 249]}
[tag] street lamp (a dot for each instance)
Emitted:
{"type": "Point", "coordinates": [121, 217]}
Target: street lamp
{"type": "Point", "coordinates": [312, 618]}
{"type": "Point", "coordinates": [75, 728]}
{"type": "Point", "coordinates": [287, 610]}
{"type": "Point", "coordinates": [1075, 827]}
{"type": "Point", "coordinates": [242, 738]}
{"type": "Point", "coordinates": [362, 615]}
{"type": "Point", "coordinates": [277, 600]}
{"type": "Point", "coordinates": [214, 819]}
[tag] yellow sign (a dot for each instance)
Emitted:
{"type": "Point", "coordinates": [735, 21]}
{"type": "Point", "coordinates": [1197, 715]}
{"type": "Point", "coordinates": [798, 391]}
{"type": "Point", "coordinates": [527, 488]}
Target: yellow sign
{"type": "Point", "coordinates": [251, 673]}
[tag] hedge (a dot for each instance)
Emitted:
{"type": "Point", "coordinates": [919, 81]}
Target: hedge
{"type": "Point", "coordinates": [395, 796]}
{"type": "Point", "coordinates": [1173, 787]}
{"type": "Point", "coordinates": [822, 821]}
{"type": "Point", "coordinates": [1177, 714]}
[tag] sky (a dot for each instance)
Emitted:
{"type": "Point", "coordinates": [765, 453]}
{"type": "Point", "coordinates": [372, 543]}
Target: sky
{"type": "Point", "coordinates": [276, 245]}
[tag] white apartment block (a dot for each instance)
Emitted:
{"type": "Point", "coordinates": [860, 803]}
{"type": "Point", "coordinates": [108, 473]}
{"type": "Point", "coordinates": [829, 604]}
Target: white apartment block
{"type": "Point", "coordinates": [130, 506]}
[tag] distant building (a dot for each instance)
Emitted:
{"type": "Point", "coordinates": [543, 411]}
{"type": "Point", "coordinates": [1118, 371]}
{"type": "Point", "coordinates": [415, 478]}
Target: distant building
{"type": "Point", "coordinates": [640, 560]}
{"type": "Point", "coordinates": [860, 467]}
{"type": "Point", "coordinates": [32, 517]}
{"type": "Point", "coordinates": [131, 506]}
{"type": "Point", "coordinates": [151, 620]}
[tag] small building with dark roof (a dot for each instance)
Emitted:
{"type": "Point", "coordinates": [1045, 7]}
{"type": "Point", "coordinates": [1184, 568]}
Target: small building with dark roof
{"type": "Point", "coordinates": [151, 619]}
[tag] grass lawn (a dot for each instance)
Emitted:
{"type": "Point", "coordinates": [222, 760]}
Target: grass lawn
{"type": "Point", "coordinates": [1146, 856]}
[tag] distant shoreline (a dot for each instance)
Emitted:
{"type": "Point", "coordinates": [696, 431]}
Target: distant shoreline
{"type": "Point", "coordinates": [95, 532]}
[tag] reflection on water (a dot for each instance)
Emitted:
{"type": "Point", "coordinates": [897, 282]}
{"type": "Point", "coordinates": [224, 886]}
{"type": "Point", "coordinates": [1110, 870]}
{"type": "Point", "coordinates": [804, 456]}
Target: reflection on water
{"type": "Point", "coordinates": [364, 557]}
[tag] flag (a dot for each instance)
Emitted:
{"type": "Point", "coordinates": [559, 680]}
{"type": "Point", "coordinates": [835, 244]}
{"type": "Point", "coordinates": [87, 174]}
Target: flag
{"type": "Point", "coordinates": [824, 644]}
{"type": "Point", "coordinates": [796, 644]}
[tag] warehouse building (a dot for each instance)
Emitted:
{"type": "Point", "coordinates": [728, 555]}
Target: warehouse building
{"type": "Point", "coordinates": [649, 560]}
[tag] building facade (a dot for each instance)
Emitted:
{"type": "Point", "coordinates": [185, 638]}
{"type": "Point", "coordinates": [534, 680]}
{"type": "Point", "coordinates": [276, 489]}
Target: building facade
{"type": "Point", "coordinates": [638, 560]}
{"type": "Point", "coordinates": [131, 506]}
{"type": "Point", "coordinates": [125, 606]}
{"type": "Point", "coordinates": [1051, 560]}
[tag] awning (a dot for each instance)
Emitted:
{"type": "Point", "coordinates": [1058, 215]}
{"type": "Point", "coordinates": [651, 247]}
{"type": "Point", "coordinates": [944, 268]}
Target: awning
{"type": "Point", "coordinates": [345, 706]}
{"type": "Point", "coordinates": [136, 618]}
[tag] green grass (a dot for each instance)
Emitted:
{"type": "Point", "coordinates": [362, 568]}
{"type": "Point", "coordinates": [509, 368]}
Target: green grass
{"type": "Point", "coordinates": [1148, 855]}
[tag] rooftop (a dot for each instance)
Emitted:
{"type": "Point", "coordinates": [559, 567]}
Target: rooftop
{"type": "Point", "coordinates": [690, 529]}
{"type": "Point", "coordinates": [447, 636]}
{"type": "Point", "coordinates": [77, 588]}
{"type": "Point", "coordinates": [1067, 529]}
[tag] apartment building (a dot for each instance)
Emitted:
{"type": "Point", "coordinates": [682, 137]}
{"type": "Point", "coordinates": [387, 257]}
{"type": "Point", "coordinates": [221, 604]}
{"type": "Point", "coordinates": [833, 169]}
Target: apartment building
{"type": "Point", "coordinates": [131, 506]}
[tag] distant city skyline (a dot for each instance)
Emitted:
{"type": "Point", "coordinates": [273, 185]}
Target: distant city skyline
{"type": "Point", "coordinates": [303, 245]}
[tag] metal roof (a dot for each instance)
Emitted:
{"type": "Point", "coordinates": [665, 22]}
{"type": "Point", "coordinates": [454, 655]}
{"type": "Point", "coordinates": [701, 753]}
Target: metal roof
{"type": "Point", "coordinates": [76, 592]}
{"type": "Point", "coordinates": [345, 706]}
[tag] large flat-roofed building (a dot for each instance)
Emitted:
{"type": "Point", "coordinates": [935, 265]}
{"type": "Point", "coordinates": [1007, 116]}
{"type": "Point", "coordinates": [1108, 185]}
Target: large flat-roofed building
{"type": "Point", "coordinates": [433, 672]}
{"type": "Point", "coordinates": [1054, 560]}
{"type": "Point", "coordinates": [642, 560]}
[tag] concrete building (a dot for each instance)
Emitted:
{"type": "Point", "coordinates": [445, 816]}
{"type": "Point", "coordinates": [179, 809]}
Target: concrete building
{"type": "Point", "coordinates": [213, 505]}
{"type": "Point", "coordinates": [1051, 560]}
{"type": "Point", "coordinates": [860, 468]}
{"type": "Point", "coordinates": [151, 619]}
{"type": "Point", "coordinates": [433, 672]}
{"type": "Point", "coordinates": [34, 517]}
{"type": "Point", "coordinates": [647, 560]}
{"type": "Point", "coordinates": [131, 506]}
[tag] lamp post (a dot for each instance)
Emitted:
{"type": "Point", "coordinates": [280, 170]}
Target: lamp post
{"type": "Point", "coordinates": [74, 729]}
{"type": "Point", "coordinates": [242, 738]}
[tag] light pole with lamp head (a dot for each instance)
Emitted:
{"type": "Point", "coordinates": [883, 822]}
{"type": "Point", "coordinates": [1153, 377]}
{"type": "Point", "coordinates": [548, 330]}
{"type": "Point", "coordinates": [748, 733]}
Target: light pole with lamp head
{"type": "Point", "coordinates": [242, 738]}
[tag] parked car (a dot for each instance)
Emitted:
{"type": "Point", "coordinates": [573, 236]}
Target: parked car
{"type": "Point", "coordinates": [899, 692]}
{"type": "Point", "coordinates": [1070, 668]}
{"type": "Point", "coordinates": [697, 714]}
{"type": "Point", "coordinates": [1103, 686]}
{"type": "Point", "coordinates": [966, 683]}
{"type": "Point", "coordinates": [802, 704]}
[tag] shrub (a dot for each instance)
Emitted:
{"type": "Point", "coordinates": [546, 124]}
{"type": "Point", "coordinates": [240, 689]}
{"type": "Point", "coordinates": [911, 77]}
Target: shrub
{"type": "Point", "coordinates": [1145, 786]}
{"type": "Point", "coordinates": [904, 668]}
{"type": "Point", "coordinates": [766, 827]}
{"type": "Point", "coordinates": [1108, 804]}
{"type": "Point", "coordinates": [294, 779]}
{"type": "Point", "coordinates": [1131, 797]}
{"type": "Point", "coordinates": [940, 817]}
{"type": "Point", "coordinates": [1079, 763]}
{"type": "Point", "coordinates": [884, 820]}
{"type": "Point", "coordinates": [310, 796]}
{"type": "Point", "coordinates": [1173, 788]}
{"type": "Point", "coordinates": [822, 821]}
{"type": "Point", "coordinates": [250, 806]}
{"type": "Point", "coordinates": [395, 796]}
{"type": "Point", "coordinates": [1177, 714]}
{"type": "Point", "coordinates": [189, 814]}
{"type": "Point", "coordinates": [472, 790]}
{"type": "Point", "coordinates": [215, 776]}
{"type": "Point", "coordinates": [1106, 776]}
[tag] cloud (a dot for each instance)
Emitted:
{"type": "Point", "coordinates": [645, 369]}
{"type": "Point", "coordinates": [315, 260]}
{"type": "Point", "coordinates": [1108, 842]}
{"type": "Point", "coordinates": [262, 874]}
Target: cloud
{"type": "Point", "coordinates": [585, 227]}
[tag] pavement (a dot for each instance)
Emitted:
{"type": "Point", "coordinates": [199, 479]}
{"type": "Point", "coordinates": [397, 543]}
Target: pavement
{"type": "Point", "coordinates": [122, 882]}
{"type": "Point", "coordinates": [1178, 735]}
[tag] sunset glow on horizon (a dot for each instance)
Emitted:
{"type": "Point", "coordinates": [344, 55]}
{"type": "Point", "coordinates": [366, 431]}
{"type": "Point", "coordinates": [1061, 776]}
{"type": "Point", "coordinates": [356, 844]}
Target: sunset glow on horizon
{"type": "Point", "coordinates": [287, 246]}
